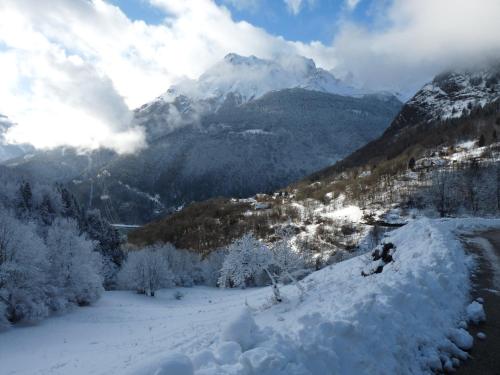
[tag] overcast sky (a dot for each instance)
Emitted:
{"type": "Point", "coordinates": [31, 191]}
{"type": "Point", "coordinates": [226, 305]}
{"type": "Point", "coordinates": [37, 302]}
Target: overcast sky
{"type": "Point", "coordinates": [72, 70]}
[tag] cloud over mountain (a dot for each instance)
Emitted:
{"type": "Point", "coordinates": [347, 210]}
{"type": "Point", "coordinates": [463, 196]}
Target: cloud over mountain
{"type": "Point", "coordinates": [72, 70]}
{"type": "Point", "coordinates": [412, 40]}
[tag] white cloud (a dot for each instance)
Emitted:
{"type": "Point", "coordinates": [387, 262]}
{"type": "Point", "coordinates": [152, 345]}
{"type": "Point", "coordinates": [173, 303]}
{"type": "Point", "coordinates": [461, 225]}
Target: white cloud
{"type": "Point", "coordinates": [352, 4]}
{"type": "Point", "coordinates": [295, 6]}
{"type": "Point", "coordinates": [72, 70]}
{"type": "Point", "coordinates": [418, 39]}
{"type": "Point", "coordinates": [66, 102]}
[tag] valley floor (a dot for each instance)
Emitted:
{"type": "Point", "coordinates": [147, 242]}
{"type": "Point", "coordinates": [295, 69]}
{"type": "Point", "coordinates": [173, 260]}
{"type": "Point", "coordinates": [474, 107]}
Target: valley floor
{"type": "Point", "coordinates": [408, 319]}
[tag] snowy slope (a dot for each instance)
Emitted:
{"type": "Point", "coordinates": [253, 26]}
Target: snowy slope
{"type": "Point", "coordinates": [250, 77]}
{"type": "Point", "coordinates": [451, 95]}
{"type": "Point", "coordinates": [404, 320]}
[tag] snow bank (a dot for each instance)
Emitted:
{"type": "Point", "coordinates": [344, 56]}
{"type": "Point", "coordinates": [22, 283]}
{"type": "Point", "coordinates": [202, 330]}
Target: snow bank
{"type": "Point", "coordinates": [177, 364]}
{"type": "Point", "coordinates": [408, 319]}
{"type": "Point", "coordinates": [475, 313]}
{"type": "Point", "coordinates": [242, 330]}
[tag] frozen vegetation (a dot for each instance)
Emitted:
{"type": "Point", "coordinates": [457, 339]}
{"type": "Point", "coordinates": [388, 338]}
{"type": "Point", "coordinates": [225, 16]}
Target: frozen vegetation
{"type": "Point", "coordinates": [314, 279]}
{"type": "Point", "coordinates": [53, 255]}
{"type": "Point", "coordinates": [408, 318]}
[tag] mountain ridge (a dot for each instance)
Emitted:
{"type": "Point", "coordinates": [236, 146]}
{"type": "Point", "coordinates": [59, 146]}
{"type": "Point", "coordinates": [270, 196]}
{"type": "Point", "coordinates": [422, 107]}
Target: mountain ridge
{"type": "Point", "coordinates": [246, 134]}
{"type": "Point", "coordinates": [250, 77]}
{"type": "Point", "coordinates": [411, 151]}
{"type": "Point", "coordinates": [239, 150]}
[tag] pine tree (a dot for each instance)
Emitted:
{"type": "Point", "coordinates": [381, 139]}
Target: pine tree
{"type": "Point", "coordinates": [411, 163]}
{"type": "Point", "coordinates": [71, 207]}
{"type": "Point", "coordinates": [482, 141]}
{"type": "Point", "coordinates": [46, 210]}
{"type": "Point", "coordinates": [25, 199]}
{"type": "Point", "coordinates": [107, 237]}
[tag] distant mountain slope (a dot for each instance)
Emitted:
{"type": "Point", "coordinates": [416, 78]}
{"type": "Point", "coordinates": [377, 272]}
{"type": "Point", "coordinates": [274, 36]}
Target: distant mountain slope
{"type": "Point", "coordinates": [238, 150]}
{"type": "Point", "coordinates": [372, 178]}
{"type": "Point", "coordinates": [247, 125]}
{"type": "Point", "coordinates": [432, 115]}
{"type": "Point", "coordinates": [450, 95]}
{"type": "Point", "coordinates": [244, 149]}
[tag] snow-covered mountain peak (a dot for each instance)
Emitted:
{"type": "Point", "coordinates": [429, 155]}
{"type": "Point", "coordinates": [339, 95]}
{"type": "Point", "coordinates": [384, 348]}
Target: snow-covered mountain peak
{"type": "Point", "coordinates": [250, 77]}
{"type": "Point", "coordinates": [455, 93]}
{"type": "Point", "coordinates": [235, 59]}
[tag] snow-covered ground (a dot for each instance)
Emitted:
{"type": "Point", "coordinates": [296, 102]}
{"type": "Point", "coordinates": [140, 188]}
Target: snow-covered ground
{"type": "Point", "coordinates": [120, 331]}
{"type": "Point", "coordinates": [351, 213]}
{"type": "Point", "coordinates": [405, 320]}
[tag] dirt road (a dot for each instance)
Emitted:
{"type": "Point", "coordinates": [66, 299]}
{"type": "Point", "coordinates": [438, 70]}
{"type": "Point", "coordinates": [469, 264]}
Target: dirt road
{"type": "Point", "coordinates": [486, 284]}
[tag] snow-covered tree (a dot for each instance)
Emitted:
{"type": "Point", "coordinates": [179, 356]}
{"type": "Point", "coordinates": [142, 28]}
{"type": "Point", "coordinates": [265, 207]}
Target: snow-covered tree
{"type": "Point", "coordinates": [23, 268]}
{"type": "Point", "coordinates": [247, 258]}
{"type": "Point", "coordinates": [146, 271]}
{"type": "Point", "coordinates": [185, 265]}
{"type": "Point", "coordinates": [211, 266]}
{"type": "Point", "coordinates": [74, 265]}
{"type": "Point", "coordinates": [288, 263]}
{"type": "Point", "coordinates": [46, 260]}
{"type": "Point", "coordinates": [47, 211]}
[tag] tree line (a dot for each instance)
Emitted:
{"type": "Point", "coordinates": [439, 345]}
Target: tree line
{"type": "Point", "coordinates": [53, 253]}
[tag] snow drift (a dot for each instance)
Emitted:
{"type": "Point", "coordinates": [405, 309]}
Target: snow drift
{"type": "Point", "coordinates": [408, 319]}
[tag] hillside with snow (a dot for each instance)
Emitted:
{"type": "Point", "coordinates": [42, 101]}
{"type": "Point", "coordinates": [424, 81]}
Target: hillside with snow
{"type": "Point", "coordinates": [182, 209]}
{"type": "Point", "coordinates": [451, 95]}
{"type": "Point", "coordinates": [419, 304]}
{"type": "Point", "coordinates": [404, 168]}
{"type": "Point", "coordinates": [305, 280]}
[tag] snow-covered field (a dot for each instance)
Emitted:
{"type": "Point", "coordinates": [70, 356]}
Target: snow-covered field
{"type": "Point", "coordinates": [404, 320]}
{"type": "Point", "coordinates": [121, 330]}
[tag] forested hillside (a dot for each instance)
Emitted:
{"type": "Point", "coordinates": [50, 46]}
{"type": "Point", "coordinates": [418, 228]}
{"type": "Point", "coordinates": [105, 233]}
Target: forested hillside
{"type": "Point", "coordinates": [445, 165]}
{"type": "Point", "coordinates": [236, 151]}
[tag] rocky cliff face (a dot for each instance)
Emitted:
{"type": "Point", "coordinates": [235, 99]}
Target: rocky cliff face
{"type": "Point", "coordinates": [450, 95]}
